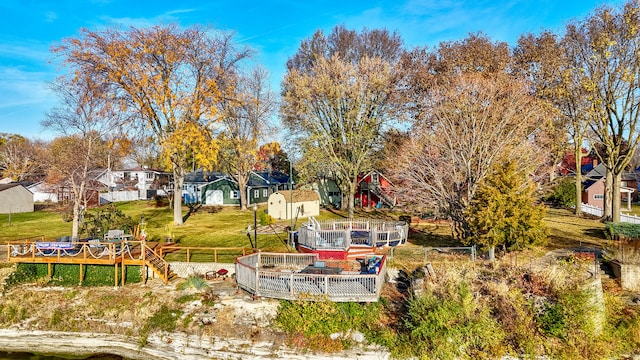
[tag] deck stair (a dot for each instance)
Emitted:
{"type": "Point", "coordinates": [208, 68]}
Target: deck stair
{"type": "Point", "coordinates": [378, 191]}
{"type": "Point", "coordinates": [355, 252]}
{"type": "Point", "coordinates": [158, 265]}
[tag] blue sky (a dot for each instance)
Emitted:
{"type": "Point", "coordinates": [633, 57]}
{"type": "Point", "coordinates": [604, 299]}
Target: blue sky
{"type": "Point", "coordinates": [274, 28]}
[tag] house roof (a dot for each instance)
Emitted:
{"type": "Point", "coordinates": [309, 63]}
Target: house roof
{"type": "Point", "coordinates": [4, 187]}
{"type": "Point", "coordinates": [600, 171]}
{"type": "Point", "coordinates": [299, 195]}
{"type": "Point", "coordinates": [145, 170]}
{"type": "Point", "coordinates": [201, 176]}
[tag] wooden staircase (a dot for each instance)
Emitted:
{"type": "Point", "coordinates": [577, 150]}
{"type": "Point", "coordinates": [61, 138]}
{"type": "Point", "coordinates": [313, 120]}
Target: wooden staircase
{"type": "Point", "coordinates": [158, 265]}
{"type": "Point", "coordinates": [359, 252]}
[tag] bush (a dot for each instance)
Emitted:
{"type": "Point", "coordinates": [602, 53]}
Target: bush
{"type": "Point", "coordinates": [563, 194]}
{"type": "Point", "coordinates": [310, 323]}
{"type": "Point", "coordinates": [454, 325]}
{"type": "Point", "coordinates": [266, 219]}
{"type": "Point", "coordinates": [622, 231]}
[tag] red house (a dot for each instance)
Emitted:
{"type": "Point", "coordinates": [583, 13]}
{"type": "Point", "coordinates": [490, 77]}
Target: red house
{"type": "Point", "coordinates": [374, 191]}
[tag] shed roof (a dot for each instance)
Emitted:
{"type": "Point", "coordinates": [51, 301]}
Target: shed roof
{"type": "Point", "coordinates": [300, 195]}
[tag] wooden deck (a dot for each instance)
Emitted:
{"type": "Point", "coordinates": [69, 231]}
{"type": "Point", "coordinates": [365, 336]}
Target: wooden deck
{"type": "Point", "coordinates": [117, 254]}
{"type": "Point", "coordinates": [296, 277]}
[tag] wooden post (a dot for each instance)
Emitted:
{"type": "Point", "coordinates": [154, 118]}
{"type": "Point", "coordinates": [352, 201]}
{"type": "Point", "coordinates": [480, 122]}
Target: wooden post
{"type": "Point", "coordinates": [116, 274]}
{"type": "Point", "coordinates": [188, 255]}
{"type": "Point", "coordinates": [123, 273]}
{"type": "Point", "coordinates": [49, 270]}
{"type": "Point", "coordinates": [80, 273]}
{"type": "Point", "coordinates": [215, 255]}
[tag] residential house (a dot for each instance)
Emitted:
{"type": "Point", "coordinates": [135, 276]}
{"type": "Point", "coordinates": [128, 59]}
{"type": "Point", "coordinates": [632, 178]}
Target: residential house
{"type": "Point", "coordinates": [15, 198]}
{"type": "Point", "coordinates": [43, 192]}
{"type": "Point", "coordinates": [147, 182]}
{"type": "Point", "coordinates": [329, 192]}
{"type": "Point", "coordinates": [285, 205]}
{"type": "Point", "coordinates": [374, 191]}
{"type": "Point", "coordinates": [593, 187]}
{"type": "Point", "coordinates": [568, 164]}
{"type": "Point", "coordinates": [216, 188]}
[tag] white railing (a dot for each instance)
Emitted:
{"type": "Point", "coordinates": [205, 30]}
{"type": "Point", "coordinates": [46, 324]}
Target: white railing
{"type": "Point", "coordinates": [596, 211]}
{"type": "Point", "coordinates": [278, 276]}
{"type": "Point", "coordinates": [342, 234]}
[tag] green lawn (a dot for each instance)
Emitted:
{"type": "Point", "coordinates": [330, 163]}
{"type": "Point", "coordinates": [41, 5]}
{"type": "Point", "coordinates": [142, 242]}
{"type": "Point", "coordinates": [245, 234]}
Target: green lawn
{"type": "Point", "coordinates": [228, 227]}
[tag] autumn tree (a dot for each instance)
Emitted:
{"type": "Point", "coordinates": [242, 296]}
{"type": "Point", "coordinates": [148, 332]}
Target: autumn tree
{"type": "Point", "coordinates": [85, 118]}
{"type": "Point", "coordinates": [504, 210]}
{"type": "Point", "coordinates": [171, 79]}
{"type": "Point", "coordinates": [474, 123]}
{"type": "Point", "coordinates": [271, 156]}
{"type": "Point", "coordinates": [20, 158]}
{"type": "Point", "coordinates": [339, 95]}
{"type": "Point", "coordinates": [244, 121]}
{"type": "Point", "coordinates": [549, 62]}
{"type": "Point", "coordinates": [606, 48]}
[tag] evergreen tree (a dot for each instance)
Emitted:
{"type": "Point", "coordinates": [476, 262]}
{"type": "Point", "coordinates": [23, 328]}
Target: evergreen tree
{"type": "Point", "coordinates": [504, 211]}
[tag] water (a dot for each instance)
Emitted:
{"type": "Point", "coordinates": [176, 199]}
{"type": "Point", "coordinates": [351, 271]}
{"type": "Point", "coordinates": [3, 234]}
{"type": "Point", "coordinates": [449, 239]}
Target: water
{"type": "Point", "coordinates": [30, 356]}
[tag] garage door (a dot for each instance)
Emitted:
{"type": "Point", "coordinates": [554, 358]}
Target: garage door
{"type": "Point", "coordinates": [214, 197]}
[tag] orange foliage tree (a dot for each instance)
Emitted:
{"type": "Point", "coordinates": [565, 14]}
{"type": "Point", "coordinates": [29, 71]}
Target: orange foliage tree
{"type": "Point", "coordinates": [171, 79]}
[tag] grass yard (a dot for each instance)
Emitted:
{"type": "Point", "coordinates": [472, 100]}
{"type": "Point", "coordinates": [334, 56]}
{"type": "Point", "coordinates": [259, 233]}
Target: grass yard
{"type": "Point", "coordinates": [228, 227]}
{"type": "Point", "coordinates": [225, 228]}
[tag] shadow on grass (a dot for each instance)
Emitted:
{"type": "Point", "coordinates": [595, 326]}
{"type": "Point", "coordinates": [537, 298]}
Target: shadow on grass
{"type": "Point", "coordinates": [427, 237]}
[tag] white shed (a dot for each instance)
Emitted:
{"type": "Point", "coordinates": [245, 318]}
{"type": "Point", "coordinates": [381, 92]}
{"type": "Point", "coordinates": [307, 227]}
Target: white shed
{"type": "Point", "coordinates": [305, 203]}
{"type": "Point", "coordinates": [15, 198]}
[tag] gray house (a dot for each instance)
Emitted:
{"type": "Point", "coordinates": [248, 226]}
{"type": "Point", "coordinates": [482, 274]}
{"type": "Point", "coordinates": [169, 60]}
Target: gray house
{"type": "Point", "coordinates": [15, 198]}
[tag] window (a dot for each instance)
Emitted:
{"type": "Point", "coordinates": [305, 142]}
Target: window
{"type": "Point", "coordinates": [234, 194]}
{"type": "Point", "coordinates": [374, 178]}
{"type": "Point", "coordinates": [149, 176]}
{"type": "Point", "coordinates": [598, 196]}
{"type": "Point", "coordinates": [265, 193]}
{"type": "Point", "coordinates": [256, 194]}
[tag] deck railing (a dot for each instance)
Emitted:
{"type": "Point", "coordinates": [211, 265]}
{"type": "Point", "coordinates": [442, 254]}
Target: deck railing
{"type": "Point", "coordinates": [108, 251]}
{"type": "Point", "coordinates": [342, 234]}
{"type": "Point", "coordinates": [278, 276]}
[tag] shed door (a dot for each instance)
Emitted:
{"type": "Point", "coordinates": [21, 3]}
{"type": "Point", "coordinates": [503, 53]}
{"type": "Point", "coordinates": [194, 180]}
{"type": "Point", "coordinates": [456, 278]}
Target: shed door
{"type": "Point", "coordinates": [214, 197]}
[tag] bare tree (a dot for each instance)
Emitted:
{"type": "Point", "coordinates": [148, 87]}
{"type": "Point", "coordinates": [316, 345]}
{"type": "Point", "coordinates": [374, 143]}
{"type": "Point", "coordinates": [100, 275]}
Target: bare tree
{"type": "Point", "coordinates": [475, 122]}
{"type": "Point", "coordinates": [339, 95]}
{"type": "Point", "coordinates": [244, 121]}
{"type": "Point", "coordinates": [85, 118]}
{"type": "Point", "coordinates": [550, 65]}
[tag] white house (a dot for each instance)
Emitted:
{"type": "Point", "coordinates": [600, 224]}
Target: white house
{"type": "Point", "coordinates": [15, 198]}
{"type": "Point", "coordinates": [43, 192]}
{"type": "Point", "coordinates": [295, 204]}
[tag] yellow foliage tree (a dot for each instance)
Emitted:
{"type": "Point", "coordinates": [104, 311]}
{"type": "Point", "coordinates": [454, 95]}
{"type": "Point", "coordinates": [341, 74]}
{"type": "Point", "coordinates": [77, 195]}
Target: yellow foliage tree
{"type": "Point", "coordinates": [171, 79]}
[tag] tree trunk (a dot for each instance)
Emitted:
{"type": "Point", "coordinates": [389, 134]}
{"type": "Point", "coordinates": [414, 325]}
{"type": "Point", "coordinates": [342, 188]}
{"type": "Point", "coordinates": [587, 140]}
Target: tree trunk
{"type": "Point", "coordinates": [242, 187]}
{"type": "Point", "coordinates": [608, 198]}
{"type": "Point", "coordinates": [352, 193]}
{"type": "Point", "coordinates": [616, 199]}
{"type": "Point", "coordinates": [578, 180]}
{"type": "Point", "coordinates": [492, 253]}
{"type": "Point", "coordinates": [178, 180]}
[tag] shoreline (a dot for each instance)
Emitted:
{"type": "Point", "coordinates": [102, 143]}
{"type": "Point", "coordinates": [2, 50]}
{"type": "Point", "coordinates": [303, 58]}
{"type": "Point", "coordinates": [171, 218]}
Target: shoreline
{"type": "Point", "coordinates": [174, 346]}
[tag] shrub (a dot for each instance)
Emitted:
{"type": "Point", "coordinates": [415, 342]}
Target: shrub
{"type": "Point", "coordinates": [193, 282]}
{"type": "Point", "coordinates": [563, 194]}
{"type": "Point", "coordinates": [266, 219]}
{"type": "Point", "coordinates": [452, 325]}
{"type": "Point", "coordinates": [310, 323]}
{"type": "Point", "coordinates": [622, 231]}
